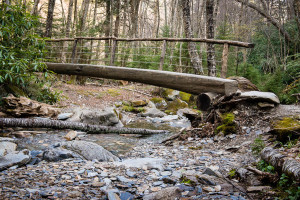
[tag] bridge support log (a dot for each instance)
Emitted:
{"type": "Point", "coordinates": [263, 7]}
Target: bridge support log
{"type": "Point", "coordinates": [190, 83]}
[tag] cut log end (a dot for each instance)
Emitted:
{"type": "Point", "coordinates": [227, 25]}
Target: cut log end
{"type": "Point", "coordinates": [204, 100]}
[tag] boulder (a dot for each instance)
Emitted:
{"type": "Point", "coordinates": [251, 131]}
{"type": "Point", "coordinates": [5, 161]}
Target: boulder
{"type": "Point", "coordinates": [261, 96]}
{"type": "Point", "coordinates": [23, 107]}
{"type": "Point", "coordinates": [105, 117]}
{"type": "Point", "coordinates": [170, 193]}
{"type": "Point", "coordinates": [159, 103]}
{"type": "Point", "coordinates": [189, 113]}
{"type": "Point", "coordinates": [170, 94]}
{"type": "Point", "coordinates": [12, 159]}
{"type": "Point", "coordinates": [175, 105]}
{"type": "Point", "coordinates": [90, 151]}
{"type": "Point", "coordinates": [153, 112]}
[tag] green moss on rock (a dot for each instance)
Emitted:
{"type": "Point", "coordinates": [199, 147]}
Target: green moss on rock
{"type": "Point", "coordinates": [138, 103]}
{"type": "Point", "coordinates": [175, 105]}
{"type": "Point", "coordinates": [228, 125]}
{"type": "Point", "coordinates": [185, 96]}
{"type": "Point", "coordinates": [288, 127]}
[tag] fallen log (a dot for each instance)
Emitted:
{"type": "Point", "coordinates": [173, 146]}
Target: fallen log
{"type": "Point", "coordinates": [288, 166]}
{"type": "Point", "coordinates": [190, 83]}
{"type": "Point", "coordinates": [205, 100]}
{"type": "Point", "coordinates": [57, 124]}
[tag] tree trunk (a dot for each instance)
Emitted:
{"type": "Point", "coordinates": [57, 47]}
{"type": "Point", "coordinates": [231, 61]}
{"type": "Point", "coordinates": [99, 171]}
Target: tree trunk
{"type": "Point", "coordinates": [288, 166]}
{"type": "Point", "coordinates": [107, 30]}
{"type": "Point", "coordinates": [189, 83]}
{"type": "Point", "coordinates": [34, 10]}
{"type": "Point", "coordinates": [49, 21]}
{"type": "Point", "coordinates": [57, 124]}
{"type": "Point", "coordinates": [195, 58]}
{"type": "Point", "coordinates": [210, 34]}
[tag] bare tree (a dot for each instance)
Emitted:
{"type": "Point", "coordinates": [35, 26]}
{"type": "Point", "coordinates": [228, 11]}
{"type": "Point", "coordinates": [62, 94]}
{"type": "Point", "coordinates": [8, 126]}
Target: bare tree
{"type": "Point", "coordinates": [195, 58]}
{"type": "Point", "coordinates": [210, 34]}
{"type": "Point", "coordinates": [49, 21]}
{"type": "Point", "coordinates": [34, 10]}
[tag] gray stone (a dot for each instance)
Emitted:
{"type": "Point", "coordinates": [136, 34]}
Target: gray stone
{"type": "Point", "coordinates": [166, 173]}
{"type": "Point", "coordinates": [54, 155]}
{"type": "Point", "coordinates": [149, 163]}
{"type": "Point", "coordinates": [212, 172]}
{"type": "Point", "coordinates": [157, 183]}
{"type": "Point", "coordinates": [261, 96]}
{"type": "Point", "coordinates": [170, 193]}
{"type": "Point", "coordinates": [123, 179]}
{"type": "Point", "coordinates": [90, 151]}
{"type": "Point", "coordinates": [258, 188]}
{"type": "Point", "coordinates": [8, 147]}
{"type": "Point", "coordinates": [12, 159]}
{"type": "Point", "coordinates": [112, 196]}
{"type": "Point", "coordinates": [131, 174]}
{"type": "Point", "coordinates": [153, 112]}
{"type": "Point", "coordinates": [64, 116]}
{"type": "Point", "coordinates": [106, 117]}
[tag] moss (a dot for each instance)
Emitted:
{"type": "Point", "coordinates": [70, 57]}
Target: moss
{"type": "Point", "coordinates": [157, 100]}
{"type": "Point", "coordinates": [185, 96]}
{"type": "Point", "coordinates": [175, 105]}
{"type": "Point", "coordinates": [138, 103]}
{"type": "Point", "coordinates": [169, 112]}
{"type": "Point", "coordinates": [133, 109]}
{"type": "Point", "coordinates": [126, 103]}
{"type": "Point", "coordinates": [286, 128]}
{"type": "Point", "coordinates": [113, 92]}
{"type": "Point", "coordinates": [187, 181]}
{"type": "Point", "coordinates": [228, 125]}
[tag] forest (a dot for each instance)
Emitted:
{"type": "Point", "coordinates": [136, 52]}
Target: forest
{"type": "Point", "coordinates": [150, 99]}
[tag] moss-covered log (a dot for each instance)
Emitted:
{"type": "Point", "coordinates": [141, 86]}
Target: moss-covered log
{"type": "Point", "coordinates": [288, 166]}
{"type": "Point", "coordinates": [56, 124]}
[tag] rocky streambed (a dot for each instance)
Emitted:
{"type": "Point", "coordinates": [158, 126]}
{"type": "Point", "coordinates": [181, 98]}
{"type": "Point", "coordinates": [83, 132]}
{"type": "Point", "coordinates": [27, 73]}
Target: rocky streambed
{"type": "Point", "coordinates": [42, 163]}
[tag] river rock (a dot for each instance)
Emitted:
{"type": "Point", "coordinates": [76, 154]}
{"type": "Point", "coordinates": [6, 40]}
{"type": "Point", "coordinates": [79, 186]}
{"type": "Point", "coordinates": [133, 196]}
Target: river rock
{"type": "Point", "coordinates": [261, 96]}
{"type": "Point", "coordinates": [175, 105]}
{"type": "Point", "coordinates": [153, 112]}
{"type": "Point", "coordinates": [138, 103]}
{"type": "Point", "coordinates": [64, 116]}
{"type": "Point", "coordinates": [12, 159]}
{"type": "Point", "coordinates": [189, 113]}
{"type": "Point", "coordinates": [149, 163]}
{"type": "Point", "coordinates": [170, 193]}
{"type": "Point", "coordinates": [54, 155]}
{"type": "Point", "coordinates": [159, 103]}
{"type": "Point", "coordinates": [170, 94]}
{"type": "Point", "coordinates": [24, 107]}
{"type": "Point", "coordinates": [90, 151]}
{"type": "Point", "coordinates": [71, 135]}
{"type": "Point", "coordinates": [8, 147]}
{"type": "Point", "coordinates": [105, 117]}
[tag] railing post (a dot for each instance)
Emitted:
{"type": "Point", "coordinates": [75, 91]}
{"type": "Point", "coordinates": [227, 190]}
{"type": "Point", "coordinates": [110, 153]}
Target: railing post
{"type": "Point", "coordinates": [162, 55]}
{"type": "Point", "coordinates": [73, 56]}
{"type": "Point", "coordinates": [224, 60]}
{"type": "Point", "coordinates": [113, 52]}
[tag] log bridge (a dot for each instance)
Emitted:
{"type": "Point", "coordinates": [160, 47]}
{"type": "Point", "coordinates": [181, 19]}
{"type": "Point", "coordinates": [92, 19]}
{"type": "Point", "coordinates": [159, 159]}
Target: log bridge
{"type": "Point", "coordinates": [190, 83]}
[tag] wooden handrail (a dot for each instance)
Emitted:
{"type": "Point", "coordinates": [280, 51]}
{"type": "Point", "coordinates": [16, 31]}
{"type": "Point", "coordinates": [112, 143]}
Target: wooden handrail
{"type": "Point", "coordinates": [213, 41]}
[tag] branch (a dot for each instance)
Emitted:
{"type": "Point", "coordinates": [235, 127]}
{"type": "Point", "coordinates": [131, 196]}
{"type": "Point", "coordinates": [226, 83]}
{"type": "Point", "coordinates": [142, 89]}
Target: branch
{"type": "Point", "coordinates": [269, 18]}
{"type": "Point", "coordinates": [56, 124]}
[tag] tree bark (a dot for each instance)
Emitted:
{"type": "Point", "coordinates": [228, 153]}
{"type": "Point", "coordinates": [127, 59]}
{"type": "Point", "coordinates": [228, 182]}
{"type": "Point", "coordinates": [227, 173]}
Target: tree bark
{"type": "Point", "coordinates": [57, 124]}
{"type": "Point", "coordinates": [189, 83]}
{"type": "Point", "coordinates": [286, 165]}
{"type": "Point", "coordinates": [210, 34]}
{"type": "Point", "coordinates": [49, 21]}
{"type": "Point", "coordinates": [34, 10]}
{"type": "Point", "coordinates": [269, 18]}
{"type": "Point", "coordinates": [195, 58]}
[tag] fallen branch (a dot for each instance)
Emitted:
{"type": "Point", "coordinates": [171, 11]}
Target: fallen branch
{"type": "Point", "coordinates": [56, 124]}
{"type": "Point", "coordinates": [264, 176]}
